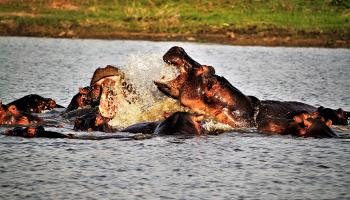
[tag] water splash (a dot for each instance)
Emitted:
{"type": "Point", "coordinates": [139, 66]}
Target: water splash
{"type": "Point", "coordinates": [212, 126]}
{"type": "Point", "coordinates": [151, 104]}
{"type": "Point", "coordinates": [142, 70]}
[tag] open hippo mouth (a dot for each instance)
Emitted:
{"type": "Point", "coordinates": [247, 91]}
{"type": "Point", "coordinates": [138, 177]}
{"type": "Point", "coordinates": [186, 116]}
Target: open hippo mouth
{"type": "Point", "coordinates": [178, 57]}
{"type": "Point", "coordinates": [183, 64]}
{"type": "Point", "coordinates": [116, 92]}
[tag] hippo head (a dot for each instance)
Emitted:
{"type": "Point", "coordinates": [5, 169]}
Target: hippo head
{"type": "Point", "coordinates": [317, 128]}
{"type": "Point", "coordinates": [111, 91]}
{"type": "Point", "coordinates": [186, 67]}
{"type": "Point", "coordinates": [103, 72]}
{"type": "Point", "coordinates": [178, 57]}
{"type": "Point", "coordinates": [338, 117]}
{"type": "Point", "coordinates": [44, 104]}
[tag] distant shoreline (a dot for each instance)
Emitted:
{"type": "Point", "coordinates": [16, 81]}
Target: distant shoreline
{"type": "Point", "coordinates": [230, 38]}
{"type": "Point", "coordinates": [261, 23]}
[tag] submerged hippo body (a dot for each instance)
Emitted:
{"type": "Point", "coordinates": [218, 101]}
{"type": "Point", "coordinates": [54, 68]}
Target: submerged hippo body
{"type": "Point", "coordinates": [20, 111]}
{"type": "Point", "coordinates": [92, 121]}
{"type": "Point", "coordinates": [293, 118]}
{"type": "Point", "coordinates": [32, 131]}
{"type": "Point", "coordinates": [319, 129]}
{"type": "Point", "coordinates": [279, 126]}
{"type": "Point", "coordinates": [143, 127]}
{"type": "Point", "coordinates": [316, 128]}
{"type": "Point", "coordinates": [34, 103]}
{"type": "Point", "coordinates": [10, 115]}
{"type": "Point", "coordinates": [178, 123]}
{"type": "Point", "coordinates": [338, 116]}
{"type": "Point", "coordinates": [281, 109]}
{"type": "Point", "coordinates": [200, 89]}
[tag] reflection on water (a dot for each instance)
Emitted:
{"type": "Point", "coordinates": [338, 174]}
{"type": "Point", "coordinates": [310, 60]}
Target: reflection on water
{"type": "Point", "coordinates": [232, 165]}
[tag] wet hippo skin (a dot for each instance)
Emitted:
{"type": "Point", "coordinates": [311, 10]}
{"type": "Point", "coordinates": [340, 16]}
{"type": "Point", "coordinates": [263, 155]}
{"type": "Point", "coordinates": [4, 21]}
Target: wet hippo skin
{"type": "Point", "coordinates": [34, 103]}
{"type": "Point", "coordinates": [180, 123]}
{"type": "Point", "coordinates": [200, 89]}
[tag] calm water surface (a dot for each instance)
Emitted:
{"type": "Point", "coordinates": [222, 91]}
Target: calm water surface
{"type": "Point", "coordinates": [229, 166]}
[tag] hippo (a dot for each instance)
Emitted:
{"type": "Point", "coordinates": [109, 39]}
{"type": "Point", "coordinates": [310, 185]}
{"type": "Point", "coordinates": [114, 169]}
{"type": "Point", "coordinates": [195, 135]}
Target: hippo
{"type": "Point", "coordinates": [143, 127]}
{"type": "Point", "coordinates": [34, 103]}
{"type": "Point", "coordinates": [299, 119]}
{"type": "Point", "coordinates": [300, 126]}
{"type": "Point", "coordinates": [20, 111]}
{"type": "Point", "coordinates": [92, 121]}
{"type": "Point", "coordinates": [10, 115]}
{"type": "Point", "coordinates": [33, 131]}
{"type": "Point", "coordinates": [178, 123]}
{"type": "Point", "coordinates": [108, 89]}
{"type": "Point", "coordinates": [280, 126]}
{"type": "Point", "coordinates": [338, 116]}
{"type": "Point", "coordinates": [87, 97]}
{"type": "Point", "coordinates": [90, 96]}
{"type": "Point", "coordinates": [200, 89]}
{"type": "Point", "coordinates": [281, 109]}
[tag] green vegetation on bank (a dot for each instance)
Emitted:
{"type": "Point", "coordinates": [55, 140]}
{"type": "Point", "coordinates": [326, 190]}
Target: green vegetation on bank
{"type": "Point", "coordinates": [181, 16]}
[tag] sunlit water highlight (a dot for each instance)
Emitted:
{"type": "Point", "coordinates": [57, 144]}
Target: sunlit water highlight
{"type": "Point", "coordinates": [234, 165]}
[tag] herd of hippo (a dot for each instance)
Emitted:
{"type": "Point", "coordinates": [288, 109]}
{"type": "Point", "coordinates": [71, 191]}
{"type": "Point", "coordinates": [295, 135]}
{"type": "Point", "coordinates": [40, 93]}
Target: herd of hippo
{"type": "Point", "coordinates": [196, 87]}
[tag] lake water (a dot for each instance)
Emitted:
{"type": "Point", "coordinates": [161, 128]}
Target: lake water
{"type": "Point", "coordinates": [229, 166]}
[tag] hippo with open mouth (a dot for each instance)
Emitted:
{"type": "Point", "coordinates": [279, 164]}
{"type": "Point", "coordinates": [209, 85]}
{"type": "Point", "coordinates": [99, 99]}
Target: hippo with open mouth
{"type": "Point", "coordinates": [200, 89]}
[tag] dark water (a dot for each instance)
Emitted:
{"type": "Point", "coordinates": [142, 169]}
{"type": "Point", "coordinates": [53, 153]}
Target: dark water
{"type": "Point", "coordinates": [228, 166]}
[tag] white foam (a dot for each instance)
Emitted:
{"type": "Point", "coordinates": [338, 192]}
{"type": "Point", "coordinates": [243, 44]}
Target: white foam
{"type": "Point", "coordinates": [141, 71]}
